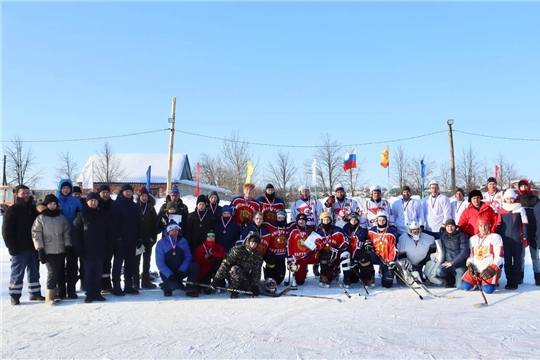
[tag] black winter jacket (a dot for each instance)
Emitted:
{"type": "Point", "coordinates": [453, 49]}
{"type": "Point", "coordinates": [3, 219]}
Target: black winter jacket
{"type": "Point", "coordinates": [127, 224]}
{"type": "Point", "coordinates": [456, 247]}
{"type": "Point", "coordinates": [149, 219]}
{"type": "Point", "coordinates": [92, 234]}
{"type": "Point", "coordinates": [17, 226]}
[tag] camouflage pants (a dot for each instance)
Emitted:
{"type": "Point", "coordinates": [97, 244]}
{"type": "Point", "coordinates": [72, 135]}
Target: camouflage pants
{"type": "Point", "coordinates": [237, 278]}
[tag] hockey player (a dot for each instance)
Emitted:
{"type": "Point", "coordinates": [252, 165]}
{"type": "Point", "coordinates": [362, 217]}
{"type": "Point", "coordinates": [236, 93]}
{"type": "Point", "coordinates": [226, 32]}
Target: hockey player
{"type": "Point", "coordinates": [512, 225]}
{"type": "Point", "coordinates": [406, 210]}
{"type": "Point", "coordinates": [493, 196]}
{"type": "Point", "coordinates": [341, 206]}
{"type": "Point", "coordinates": [242, 267]}
{"type": "Point", "coordinates": [459, 205]}
{"type": "Point", "coordinates": [384, 241]}
{"type": "Point", "coordinates": [297, 252]}
{"type": "Point", "coordinates": [245, 206]}
{"type": "Point", "coordinates": [333, 252]}
{"type": "Point", "coordinates": [414, 248]}
{"type": "Point", "coordinates": [308, 206]}
{"type": "Point", "coordinates": [437, 208]}
{"type": "Point", "coordinates": [376, 203]}
{"type": "Point", "coordinates": [485, 260]}
{"type": "Point", "coordinates": [270, 204]}
{"type": "Point", "coordinates": [226, 230]}
{"type": "Point", "coordinates": [359, 247]}
{"type": "Point", "coordinates": [278, 246]}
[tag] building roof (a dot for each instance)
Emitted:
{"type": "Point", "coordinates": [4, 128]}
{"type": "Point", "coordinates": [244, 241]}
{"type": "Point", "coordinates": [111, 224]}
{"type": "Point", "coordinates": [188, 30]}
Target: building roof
{"type": "Point", "coordinates": [135, 167]}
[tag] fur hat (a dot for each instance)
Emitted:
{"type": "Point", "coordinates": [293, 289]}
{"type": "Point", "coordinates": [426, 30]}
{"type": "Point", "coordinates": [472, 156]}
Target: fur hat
{"type": "Point", "coordinates": [126, 187]}
{"type": "Point", "coordinates": [49, 199]}
{"type": "Point", "coordinates": [77, 189]}
{"type": "Point", "coordinates": [474, 193]}
{"type": "Point", "coordinates": [253, 237]}
{"type": "Point", "coordinates": [104, 188]}
{"type": "Point", "coordinates": [92, 196]}
{"type": "Point", "coordinates": [143, 190]}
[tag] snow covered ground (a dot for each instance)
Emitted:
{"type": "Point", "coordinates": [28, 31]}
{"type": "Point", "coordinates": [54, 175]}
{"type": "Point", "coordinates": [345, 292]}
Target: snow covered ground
{"type": "Point", "coordinates": [391, 323]}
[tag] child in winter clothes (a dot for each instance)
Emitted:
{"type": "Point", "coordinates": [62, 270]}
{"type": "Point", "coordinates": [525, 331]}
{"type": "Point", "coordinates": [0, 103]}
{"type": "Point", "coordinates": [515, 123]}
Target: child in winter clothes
{"type": "Point", "coordinates": [93, 241]}
{"type": "Point", "coordinates": [52, 239]}
{"type": "Point", "coordinates": [209, 256]}
{"type": "Point", "coordinates": [512, 226]}
{"type": "Point", "coordinates": [173, 260]}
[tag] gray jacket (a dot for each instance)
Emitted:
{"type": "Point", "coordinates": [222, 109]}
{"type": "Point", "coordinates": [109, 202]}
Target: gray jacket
{"type": "Point", "coordinates": [51, 231]}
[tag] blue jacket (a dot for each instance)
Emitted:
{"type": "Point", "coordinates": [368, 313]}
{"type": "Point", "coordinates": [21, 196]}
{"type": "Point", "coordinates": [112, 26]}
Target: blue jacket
{"type": "Point", "coordinates": [69, 205]}
{"type": "Point", "coordinates": [168, 263]}
{"type": "Point", "coordinates": [226, 236]}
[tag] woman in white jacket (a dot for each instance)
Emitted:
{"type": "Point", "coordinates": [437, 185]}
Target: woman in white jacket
{"type": "Point", "coordinates": [51, 236]}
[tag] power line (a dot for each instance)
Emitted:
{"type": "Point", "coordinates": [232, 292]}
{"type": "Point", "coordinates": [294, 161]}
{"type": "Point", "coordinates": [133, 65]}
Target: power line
{"type": "Point", "coordinates": [88, 139]}
{"type": "Point", "coordinates": [495, 137]}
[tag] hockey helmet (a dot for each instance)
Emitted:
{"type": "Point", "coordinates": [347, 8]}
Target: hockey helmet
{"type": "Point", "coordinates": [381, 213]}
{"type": "Point", "coordinates": [339, 187]}
{"type": "Point", "coordinates": [270, 286]}
{"type": "Point", "coordinates": [303, 187]}
{"type": "Point", "coordinates": [413, 229]}
{"type": "Point", "coordinates": [281, 212]}
{"type": "Point", "coordinates": [325, 214]}
{"type": "Point", "coordinates": [354, 215]}
{"type": "Point", "coordinates": [375, 188]}
{"type": "Point", "coordinates": [301, 217]}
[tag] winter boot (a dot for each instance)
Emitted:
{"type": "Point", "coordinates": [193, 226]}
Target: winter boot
{"type": "Point", "coordinates": [57, 297]}
{"type": "Point", "coordinates": [167, 292]}
{"type": "Point", "coordinates": [61, 294]}
{"type": "Point", "coordinates": [117, 290]}
{"type": "Point", "coordinates": [50, 295]}
{"type": "Point", "coordinates": [537, 279]}
{"type": "Point", "coordinates": [316, 270]}
{"type": "Point", "coordinates": [192, 293]}
{"type": "Point", "coordinates": [146, 283]}
{"type": "Point", "coordinates": [450, 281]}
{"type": "Point", "coordinates": [36, 297]}
{"type": "Point", "coordinates": [71, 292]}
{"type": "Point", "coordinates": [88, 299]}
{"type": "Point", "coordinates": [234, 295]}
{"type": "Point", "coordinates": [15, 302]}
{"type": "Point", "coordinates": [522, 277]}
{"type": "Point", "coordinates": [106, 286]}
{"type": "Point", "coordinates": [136, 281]}
{"type": "Point", "coordinates": [128, 288]}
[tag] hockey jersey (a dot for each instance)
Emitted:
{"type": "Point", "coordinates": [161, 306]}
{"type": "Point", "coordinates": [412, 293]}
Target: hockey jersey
{"type": "Point", "coordinates": [340, 210]}
{"type": "Point", "coordinates": [295, 243]}
{"type": "Point", "coordinates": [278, 238]}
{"type": "Point", "coordinates": [356, 238]}
{"type": "Point", "coordinates": [407, 211]}
{"type": "Point", "coordinates": [244, 209]}
{"type": "Point", "coordinates": [457, 209]}
{"type": "Point", "coordinates": [335, 238]}
{"type": "Point", "coordinates": [311, 207]}
{"type": "Point", "coordinates": [486, 251]}
{"type": "Point", "coordinates": [494, 200]}
{"type": "Point", "coordinates": [384, 243]}
{"type": "Point", "coordinates": [370, 208]}
{"type": "Point", "coordinates": [437, 210]}
{"type": "Point", "coordinates": [416, 251]}
{"type": "Point", "coordinates": [263, 233]}
{"type": "Point", "coordinates": [270, 208]}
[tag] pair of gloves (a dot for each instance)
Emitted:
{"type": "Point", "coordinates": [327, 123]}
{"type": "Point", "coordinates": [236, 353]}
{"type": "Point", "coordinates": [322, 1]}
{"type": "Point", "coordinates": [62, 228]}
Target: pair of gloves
{"type": "Point", "coordinates": [485, 274]}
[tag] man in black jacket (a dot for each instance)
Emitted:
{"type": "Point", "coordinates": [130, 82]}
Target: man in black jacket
{"type": "Point", "coordinates": [17, 233]}
{"type": "Point", "coordinates": [105, 203]}
{"type": "Point", "coordinates": [149, 218]}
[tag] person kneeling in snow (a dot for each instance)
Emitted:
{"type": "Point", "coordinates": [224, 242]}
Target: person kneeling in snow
{"type": "Point", "coordinates": [486, 258]}
{"type": "Point", "coordinates": [173, 260]}
{"type": "Point", "coordinates": [413, 250]}
{"type": "Point", "coordinates": [209, 256]}
{"type": "Point", "coordinates": [242, 267]}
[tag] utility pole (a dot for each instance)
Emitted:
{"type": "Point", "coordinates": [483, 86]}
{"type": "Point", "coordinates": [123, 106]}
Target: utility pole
{"type": "Point", "coordinates": [171, 144]}
{"type": "Point", "coordinates": [450, 122]}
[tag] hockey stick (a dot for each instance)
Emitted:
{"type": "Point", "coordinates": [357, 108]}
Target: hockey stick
{"type": "Point", "coordinates": [286, 283]}
{"type": "Point", "coordinates": [316, 297]}
{"type": "Point", "coordinates": [361, 283]}
{"type": "Point", "coordinates": [281, 293]}
{"type": "Point", "coordinates": [479, 285]}
{"type": "Point", "coordinates": [399, 275]}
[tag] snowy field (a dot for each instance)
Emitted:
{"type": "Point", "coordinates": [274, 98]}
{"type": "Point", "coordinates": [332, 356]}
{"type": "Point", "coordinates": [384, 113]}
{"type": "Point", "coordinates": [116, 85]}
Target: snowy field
{"type": "Point", "coordinates": [391, 323]}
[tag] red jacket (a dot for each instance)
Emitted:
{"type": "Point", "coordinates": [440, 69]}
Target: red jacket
{"type": "Point", "coordinates": [468, 222]}
{"type": "Point", "coordinates": [208, 247]}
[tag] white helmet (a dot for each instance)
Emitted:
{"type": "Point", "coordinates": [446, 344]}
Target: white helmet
{"type": "Point", "coordinates": [338, 186]}
{"type": "Point", "coordinates": [375, 188]}
{"type": "Point", "coordinates": [413, 225]}
{"type": "Point", "coordinates": [382, 213]}
{"type": "Point", "coordinates": [303, 187]}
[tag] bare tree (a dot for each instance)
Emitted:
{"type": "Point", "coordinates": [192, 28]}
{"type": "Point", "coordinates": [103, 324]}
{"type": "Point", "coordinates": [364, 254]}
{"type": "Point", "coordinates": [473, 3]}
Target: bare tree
{"type": "Point", "coordinates": [329, 163]}
{"type": "Point", "coordinates": [414, 173]}
{"type": "Point", "coordinates": [20, 163]}
{"type": "Point", "coordinates": [400, 165]}
{"type": "Point", "coordinates": [469, 169]}
{"type": "Point", "coordinates": [67, 168]}
{"type": "Point", "coordinates": [507, 171]}
{"type": "Point", "coordinates": [281, 172]}
{"type": "Point", "coordinates": [108, 168]}
{"type": "Point", "coordinates": [236, 153]}
{"type": "Point", "coordinates": [445, 177]}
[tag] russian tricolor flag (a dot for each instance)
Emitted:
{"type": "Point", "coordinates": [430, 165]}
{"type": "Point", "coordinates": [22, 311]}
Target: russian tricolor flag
{"type": "Point", "coordinates": [350, 160]}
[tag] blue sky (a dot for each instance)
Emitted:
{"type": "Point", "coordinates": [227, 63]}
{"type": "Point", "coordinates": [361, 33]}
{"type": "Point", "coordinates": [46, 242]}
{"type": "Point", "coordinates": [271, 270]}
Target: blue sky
{"type": "Point", "coordinates": [280, 73]}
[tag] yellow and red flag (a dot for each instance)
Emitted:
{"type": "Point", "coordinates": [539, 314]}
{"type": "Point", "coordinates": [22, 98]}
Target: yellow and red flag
{"type": "Point", "coordinates": [385, 157]}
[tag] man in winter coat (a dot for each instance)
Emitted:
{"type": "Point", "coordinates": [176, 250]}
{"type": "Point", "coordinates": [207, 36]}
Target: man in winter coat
{"type": "Point", "coordinates": [242, 267]}
{"type": "Point", "coordinates": [68, 272]}
{"type": "Point", "coordinates": [270, 204]}
{"type": "Point", "coordinates": [92, 240]}
{"type": "Point", "coordinates": [174, 262]}
{"type": "Point", "coordinates": [512, 225]}
{"type": "Point", "coordinates": [51, 233]}
{"type": "Point", "coordinates": [17, 234]}
{"type": "Point", "coordinates": [149, 220]}
{"type": "Point", "coordinates": [104, 203]}
{"type": "Point", "coordinates": [468, 222]}
{"type": "Point", "coordinates": [485, 259]}
{"type": "Point", "coordinates": [199, 223]}
{"type": "Point", "coordinates": [209, 256]}
{"type": "Point", "coordinates": [456, 251]}
{"type": "Point", "coordinates": [529, 202]}
{"type": "Point", "coordinates": [127, 226]}
{"type": "Point", "coordinates": [181, 208]}
{"type": "Point", "coordinates": [226, 230]}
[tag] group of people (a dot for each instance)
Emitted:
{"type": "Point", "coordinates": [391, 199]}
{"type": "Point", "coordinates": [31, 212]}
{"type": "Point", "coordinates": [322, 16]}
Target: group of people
{"type": "Point", "coordinates": [463, 243]}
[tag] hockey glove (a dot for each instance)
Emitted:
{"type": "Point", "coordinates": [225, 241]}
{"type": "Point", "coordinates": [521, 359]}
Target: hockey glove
{"type": "Point", "coordinates": [214, 283]}
{"type": "Point", "coordinates": [41, 255]}
{"type": "Point", "coordinates": [368, 245]}
{"type": "Point", "coordinates": [489, 272]}
{"type": "Point", "coordinates": [406, 265]}
{"type": "Point", "coordinates": [255, 291]}
{"type": "Point", "coordinates": [330, 201]}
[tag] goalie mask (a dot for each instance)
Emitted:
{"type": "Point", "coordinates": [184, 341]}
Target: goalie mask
{"type": "Point", "coordinates": [413, 229]}
{"type": "Point", "coordinates": [270, 286]}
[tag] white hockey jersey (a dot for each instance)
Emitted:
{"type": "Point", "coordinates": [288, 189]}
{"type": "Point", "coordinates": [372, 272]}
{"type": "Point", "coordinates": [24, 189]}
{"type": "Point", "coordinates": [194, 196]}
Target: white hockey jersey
{"type": "Point", "coordinates": [416, 250]}
{"type": "Point", "coordinates": [437, 210]}
{"type": "Point", "coordinates": [407, 211]}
